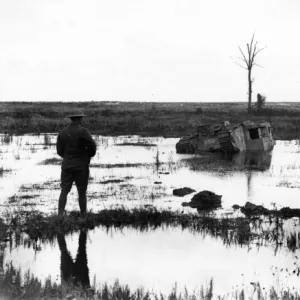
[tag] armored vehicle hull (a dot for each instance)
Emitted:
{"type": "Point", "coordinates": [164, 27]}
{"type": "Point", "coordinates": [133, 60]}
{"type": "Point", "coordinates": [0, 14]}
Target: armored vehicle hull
{"type": "Point", "coordinates": [225, 137]}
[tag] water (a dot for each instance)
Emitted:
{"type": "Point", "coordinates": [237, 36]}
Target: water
{"type": "Point", "coordinates": [266, 179]}
{"type": "Point", "coordinates": [158, 258]}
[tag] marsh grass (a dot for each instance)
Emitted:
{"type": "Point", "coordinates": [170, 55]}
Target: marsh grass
{"type": "Point", "coordinates": [3, 171]}
{"type": "Point", "coordinates": [147, 119]}
{"type": "Point", "coordinates": [21, 201]}
{"type": "Point", "coordinates": [157, 159]}
{"type": "Point", "coordinates": [293, 242]}
{"type": "Point", "coordinates": [32, 187]}
{"type": "Point", "coordinates": [17, 155]}
{"type": "Point", "coordinates": [13, 199]}
{"type": "Point", "coordinates": [285, 183]}
{"type": "Point", "coordinates": [15, 286]}
{"type": "Point", "coordinates": [3, 230]}
{"type": "Point", "coordinates": [33, 149]}
{"type": "Point", "coordinates": [6, 138]}
{"type": "Point", "coordinates": [47, 139]}
{"type": "Point", "coordinates": [239, 231]}
{"type": "Point", "coordinates": [125, 191]}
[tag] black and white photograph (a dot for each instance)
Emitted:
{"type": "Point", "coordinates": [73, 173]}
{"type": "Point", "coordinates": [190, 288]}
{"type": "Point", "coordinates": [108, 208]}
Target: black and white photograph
{"type": "Point", "coordinates": [150, 149]}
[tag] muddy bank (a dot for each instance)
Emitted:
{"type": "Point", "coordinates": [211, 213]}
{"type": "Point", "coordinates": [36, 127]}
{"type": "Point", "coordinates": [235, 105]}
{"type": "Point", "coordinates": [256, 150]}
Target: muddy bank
{"type": "Point", "coordinates": [250, 209]}
{"type": "Point", "coordinates": [38, 225]}
{"type": "Point", "coordinates": [235, 230]}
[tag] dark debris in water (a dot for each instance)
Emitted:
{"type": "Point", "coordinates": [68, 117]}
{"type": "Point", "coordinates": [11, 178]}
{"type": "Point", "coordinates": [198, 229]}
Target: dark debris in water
{"type": "Point", "coordinates": [204, 200]}
{"type": "Point", "coordinates": [13, 199]}
{"type": "Point", "coordinates": [28, 196]}
{"type": "Point", "coordinates": [51, 161]}
{"type": "Point", "coordinates": [125, 165]}
{"type": "Point", "coordinates": [250, 209]}
{"type": "Point", "coordinates": [139, 144]}
{"type": "Point", "coordinates": [36, 186]}
{"type": "Point", "coordinates": [183, 191]}
{"type": "Point", "coordinates": [111, 181]}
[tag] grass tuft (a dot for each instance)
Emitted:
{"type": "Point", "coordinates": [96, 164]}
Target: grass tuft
{"type": "Point", "coordinates": [14, 286]}
{"type": "Point", "coordinates": [3, 171]}
{"type": "Point", "coordinates": [237, 231]}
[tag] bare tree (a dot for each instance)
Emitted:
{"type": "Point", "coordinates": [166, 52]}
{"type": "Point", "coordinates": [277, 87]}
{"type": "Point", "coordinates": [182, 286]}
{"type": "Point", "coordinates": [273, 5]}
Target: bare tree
{"type": "Point", "coordinates": [248, 59]}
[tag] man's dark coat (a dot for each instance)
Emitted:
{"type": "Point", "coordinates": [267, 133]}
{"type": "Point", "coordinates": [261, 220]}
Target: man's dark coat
{"type": "Point", "coordinates": [76, 146]}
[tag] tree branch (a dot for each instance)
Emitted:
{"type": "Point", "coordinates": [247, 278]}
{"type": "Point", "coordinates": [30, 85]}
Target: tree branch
{"type": "Point", "coordinates": [238, 63]}
{"type": "Point", "coordinates": [255, 64]}
{"type": "Point", "coordinates": [259, 50]}
{"type": "Point", "coordinates": [252, 52]}
{"type": "Point", "coordinates": [249, 55]}
{"type": "Point", "coordinates": [244, 57]}
{"type": "Point", "coordinates": [241, 66]}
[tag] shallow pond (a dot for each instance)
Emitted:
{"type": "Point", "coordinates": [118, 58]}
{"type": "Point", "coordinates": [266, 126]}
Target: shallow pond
{"type": "Point", "coordinates": [124, 174]}
{"type": "Point", "coordinates": [127, 175]}
{"type": "Point", "coordinates": [156, 260]}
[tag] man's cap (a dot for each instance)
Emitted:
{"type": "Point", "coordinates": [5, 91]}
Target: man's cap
{"type": "Point", "coordinates": [76, 114]}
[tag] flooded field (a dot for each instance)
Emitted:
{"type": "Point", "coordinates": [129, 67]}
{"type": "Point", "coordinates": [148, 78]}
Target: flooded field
{"type": "Point", "coordinates": [134, 172]}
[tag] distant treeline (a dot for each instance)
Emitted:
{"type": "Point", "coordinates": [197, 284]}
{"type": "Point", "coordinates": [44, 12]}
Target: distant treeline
{"type": "Point", "coordinates": [149, 119]}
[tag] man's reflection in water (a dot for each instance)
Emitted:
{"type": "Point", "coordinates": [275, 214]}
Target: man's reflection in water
{"type": "Point", "coordinates": [74, 272]}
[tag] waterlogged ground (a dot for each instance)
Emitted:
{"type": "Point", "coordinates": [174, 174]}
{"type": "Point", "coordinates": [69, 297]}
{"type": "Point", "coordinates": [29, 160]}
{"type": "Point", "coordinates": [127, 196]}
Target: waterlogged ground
{"type": "Point", "coordinates": [130, 175]}
{"type": "Point", "coordinates": [123, 174]}
{"type": "Point", "coordinates": [157, 259]}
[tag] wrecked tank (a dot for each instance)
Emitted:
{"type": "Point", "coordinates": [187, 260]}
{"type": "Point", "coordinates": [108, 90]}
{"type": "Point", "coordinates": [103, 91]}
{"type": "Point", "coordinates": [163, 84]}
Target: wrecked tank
{"type": "Point", "coordinates": [226, 137]}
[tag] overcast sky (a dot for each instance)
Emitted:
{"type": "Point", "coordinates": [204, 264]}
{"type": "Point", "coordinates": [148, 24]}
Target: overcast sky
{"type": "Point", "coordinates": [154, 50]}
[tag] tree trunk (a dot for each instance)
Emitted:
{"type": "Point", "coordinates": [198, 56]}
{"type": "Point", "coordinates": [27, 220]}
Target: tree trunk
{"type": "Point", "coordinates": [249, 90]}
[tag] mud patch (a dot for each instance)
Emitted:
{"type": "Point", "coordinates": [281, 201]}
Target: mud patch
{"type": "Point", "coordinates": [204, 200]}
{"type": "Point", "coordinates": [183, 191]}
{"type": "Point", "coordinates": [111, 181]}
{"type": "Point", "coordinates": [13, 199]}
{"type": "Point", "coordinates": [127, 165]}
{"type": "Point", "coordinates": [4, 171]}
{"type": "Point", "coordinates": [32, 187]}
{"type": "Point", "coordinates": [51, 161]}
{"type": "Point", "coordinates": [251, 209]}
{"type": "Point", "coordinates": [28, 196]}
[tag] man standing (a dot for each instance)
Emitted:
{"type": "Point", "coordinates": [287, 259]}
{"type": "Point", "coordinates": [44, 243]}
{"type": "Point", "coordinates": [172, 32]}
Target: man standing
{"type": "Point", "coordinates": [76, 146]}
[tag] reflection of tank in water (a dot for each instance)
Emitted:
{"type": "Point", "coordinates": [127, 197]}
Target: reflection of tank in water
{"type": "Point", "coordinates": [241, 161]}
{"type": "Point", "coordinates": [226, 137]}
{"type": "Point", "coordinates": [256, 159]}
